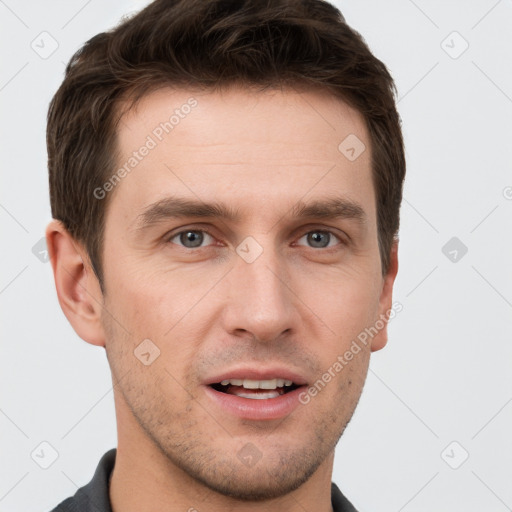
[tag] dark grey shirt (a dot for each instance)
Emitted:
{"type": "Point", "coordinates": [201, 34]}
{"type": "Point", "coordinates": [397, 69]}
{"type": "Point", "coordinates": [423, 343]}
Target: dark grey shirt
{"type": "Point", "coordinates": [94, 497]}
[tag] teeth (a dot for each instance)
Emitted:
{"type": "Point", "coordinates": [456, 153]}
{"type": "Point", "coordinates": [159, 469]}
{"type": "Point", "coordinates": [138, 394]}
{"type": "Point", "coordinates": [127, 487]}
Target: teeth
{"type": "Point", "coordinates": [258, 384]}
{"type": "Point", "coordinates": [253, 384]}
{"type": "Point", "coordinates": [259, 396]}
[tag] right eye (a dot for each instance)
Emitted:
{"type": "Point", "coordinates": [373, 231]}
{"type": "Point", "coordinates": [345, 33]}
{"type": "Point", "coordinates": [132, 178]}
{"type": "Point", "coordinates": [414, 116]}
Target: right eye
{"type": "Point", "coordinates": [191, 238]}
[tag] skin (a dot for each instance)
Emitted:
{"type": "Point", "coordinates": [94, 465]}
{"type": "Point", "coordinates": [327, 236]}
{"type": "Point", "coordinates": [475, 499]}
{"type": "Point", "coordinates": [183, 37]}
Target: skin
{"type": "Point", "coordinates": [208, 310]}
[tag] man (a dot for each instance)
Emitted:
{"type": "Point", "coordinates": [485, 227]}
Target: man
{"type": "Point", "coordinates": [225, 183]}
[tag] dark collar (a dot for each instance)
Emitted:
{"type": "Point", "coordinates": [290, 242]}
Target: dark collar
{"type": "Point", "coordinates": [94, 496]}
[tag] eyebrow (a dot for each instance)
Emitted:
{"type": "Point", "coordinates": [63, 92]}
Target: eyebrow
{"type": "Point", "coordinates": [330, 208]}
{"type": "Point", "coordinates": [177, 207]}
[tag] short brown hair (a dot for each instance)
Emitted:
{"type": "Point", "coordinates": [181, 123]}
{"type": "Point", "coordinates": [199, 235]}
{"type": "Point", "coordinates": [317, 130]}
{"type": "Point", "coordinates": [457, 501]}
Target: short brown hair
{"type": "Point", "coordinates": [207, 44]}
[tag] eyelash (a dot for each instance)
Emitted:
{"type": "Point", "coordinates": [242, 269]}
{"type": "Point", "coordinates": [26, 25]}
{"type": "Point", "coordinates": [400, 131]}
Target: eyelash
{"type": "Point", "coordinates": [203, 230]}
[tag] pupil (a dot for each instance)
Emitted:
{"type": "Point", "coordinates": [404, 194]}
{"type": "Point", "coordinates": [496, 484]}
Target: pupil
{"type": "Point", "coordinates": [316, 239]}
{"type": "Point", "coordinates": [191, 239]}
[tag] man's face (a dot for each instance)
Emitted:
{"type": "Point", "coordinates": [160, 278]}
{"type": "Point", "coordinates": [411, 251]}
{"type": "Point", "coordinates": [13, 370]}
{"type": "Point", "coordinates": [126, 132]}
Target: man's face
{"type": "Point", "coordinates": [264, 293]}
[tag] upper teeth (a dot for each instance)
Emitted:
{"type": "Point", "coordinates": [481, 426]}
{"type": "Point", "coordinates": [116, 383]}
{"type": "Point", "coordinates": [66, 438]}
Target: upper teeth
{"type": "Point", "coordinates": [258, 384]}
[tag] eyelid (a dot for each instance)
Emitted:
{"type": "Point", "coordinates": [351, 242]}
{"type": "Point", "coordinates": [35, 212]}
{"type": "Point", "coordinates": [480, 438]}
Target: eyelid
{"type": "Point", "coordinates": [341, 235]}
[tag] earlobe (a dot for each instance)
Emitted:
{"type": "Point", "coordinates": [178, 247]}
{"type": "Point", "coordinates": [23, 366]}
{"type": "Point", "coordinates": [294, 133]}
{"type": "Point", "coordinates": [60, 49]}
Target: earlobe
{"type": "Point", "coordinates": [77, 286]}
{"type": "Point", "coordinates": [386, 301]}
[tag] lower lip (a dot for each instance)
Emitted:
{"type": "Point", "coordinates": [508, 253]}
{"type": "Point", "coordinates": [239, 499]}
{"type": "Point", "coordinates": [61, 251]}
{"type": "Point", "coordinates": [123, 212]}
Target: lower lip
{"type": "Point", "coordinates": [254, 408]}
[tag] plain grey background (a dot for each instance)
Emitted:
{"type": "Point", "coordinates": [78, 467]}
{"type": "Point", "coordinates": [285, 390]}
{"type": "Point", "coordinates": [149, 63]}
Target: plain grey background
{"type": "Point", "coordinates": [432, 429]}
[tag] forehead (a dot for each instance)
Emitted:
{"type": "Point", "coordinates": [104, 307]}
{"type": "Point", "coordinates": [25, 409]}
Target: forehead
{"type": "Point", "coordinates": [241, 146]}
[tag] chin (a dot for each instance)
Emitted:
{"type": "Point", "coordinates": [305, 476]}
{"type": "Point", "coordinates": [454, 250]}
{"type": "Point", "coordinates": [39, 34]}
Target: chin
{"type": "Point", "coordinates": [259, 483]}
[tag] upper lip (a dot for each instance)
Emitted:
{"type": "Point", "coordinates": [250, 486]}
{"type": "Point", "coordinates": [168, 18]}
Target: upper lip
{"type": "Point", "coordinates": [267, 373]}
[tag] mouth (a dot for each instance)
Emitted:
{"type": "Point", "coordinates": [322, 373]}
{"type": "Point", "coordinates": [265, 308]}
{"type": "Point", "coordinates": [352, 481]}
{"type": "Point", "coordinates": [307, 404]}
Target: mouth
{"type": "Point", "coordinates": [255, 389]}
{"type": "Point", "coordinates": [256, 394]}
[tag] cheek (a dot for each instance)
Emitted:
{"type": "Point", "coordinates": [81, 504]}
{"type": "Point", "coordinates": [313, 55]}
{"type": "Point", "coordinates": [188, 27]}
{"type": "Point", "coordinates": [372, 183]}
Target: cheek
{"type": "Point", "coordinates": [345, 302]}
{"type": "Point", "coordinates": [148, 306]}
{"type": "Point", "coordinates": [162, 309]}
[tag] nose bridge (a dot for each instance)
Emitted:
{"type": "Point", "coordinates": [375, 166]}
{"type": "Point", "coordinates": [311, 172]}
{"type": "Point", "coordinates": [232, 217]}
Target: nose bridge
{"type": "Point", "coordinates": [261, 302]}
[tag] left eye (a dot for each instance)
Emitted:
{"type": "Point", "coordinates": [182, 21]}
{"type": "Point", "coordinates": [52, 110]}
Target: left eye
{"type": "Point", "coordinates": [320, 239]}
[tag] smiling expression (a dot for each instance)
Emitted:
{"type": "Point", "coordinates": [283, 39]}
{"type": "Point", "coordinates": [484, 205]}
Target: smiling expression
{"type": "Point", "coordinates": [243, 248]}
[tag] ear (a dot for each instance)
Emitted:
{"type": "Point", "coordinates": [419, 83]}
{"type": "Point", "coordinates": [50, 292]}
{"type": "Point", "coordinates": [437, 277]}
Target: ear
{"type": "Point", "coordinates": [78, 288]}
{"type": "Point", "coordinates": [386, 300]}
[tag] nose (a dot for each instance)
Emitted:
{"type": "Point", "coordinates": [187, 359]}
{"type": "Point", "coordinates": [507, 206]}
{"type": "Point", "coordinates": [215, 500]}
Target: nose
{"type": "Point", "coordinates": [261, 300]}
